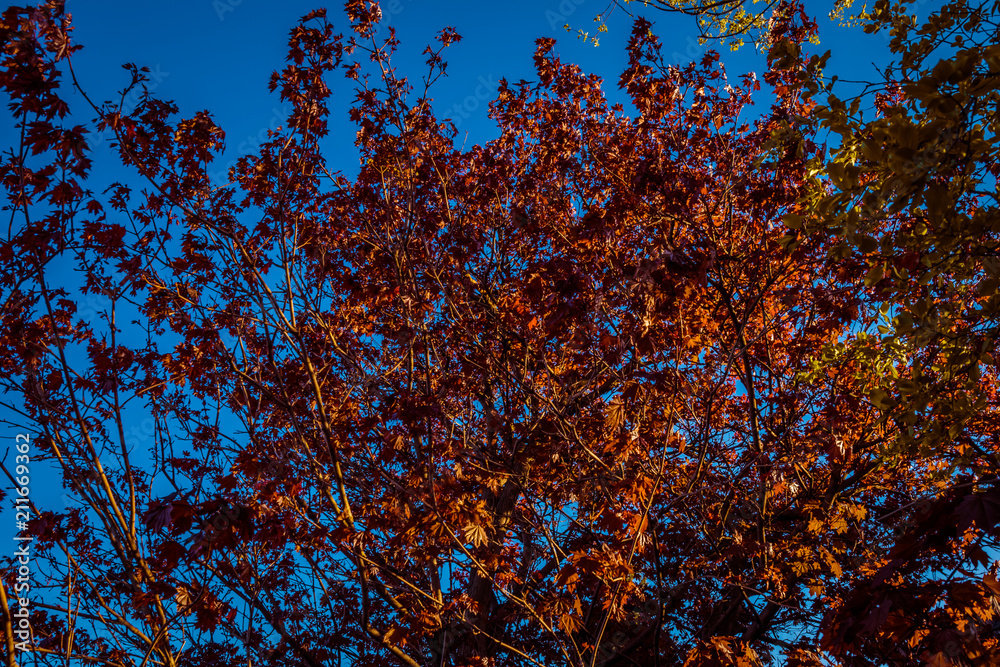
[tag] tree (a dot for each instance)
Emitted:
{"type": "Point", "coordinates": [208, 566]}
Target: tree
{"type": "Point", "coordinates": [720, 20]}
{"type": "Point", "coordinates": [910, 192]}
{"type": "Point", "coordinates": [909, 189]}
{"type": "Point", "coordinates": [726, 22]}
{"type": "Point", "coordinates": [551, 400]}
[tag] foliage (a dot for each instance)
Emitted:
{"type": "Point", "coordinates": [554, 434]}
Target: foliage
{"type": "Point", "coordinates": [730, 22]}
{"type": "Point", "coordinates": [576, 396]}
{"type": "Point", "coordinates": [910, 192]}
{"type": "Point", "coordinates": [726, 20]}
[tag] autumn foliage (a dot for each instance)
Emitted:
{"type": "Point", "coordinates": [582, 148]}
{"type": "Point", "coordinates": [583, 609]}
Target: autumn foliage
{"type": "Point", "coordinates": [614, 388]}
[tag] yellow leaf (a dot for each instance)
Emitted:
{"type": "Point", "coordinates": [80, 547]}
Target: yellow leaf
{"type": "Point", "coordinates": [880, 399]}
{"type": "Point", "coordinates": [615, 415]}
{"type": "Point", "coordinates": [873, 276]}
{"type": "Point", "coordinates": [476, 534]}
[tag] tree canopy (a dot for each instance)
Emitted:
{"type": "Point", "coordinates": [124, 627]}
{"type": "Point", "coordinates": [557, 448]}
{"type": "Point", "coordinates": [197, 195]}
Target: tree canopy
{"type": "Point", "coordinates": [666, 383]}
